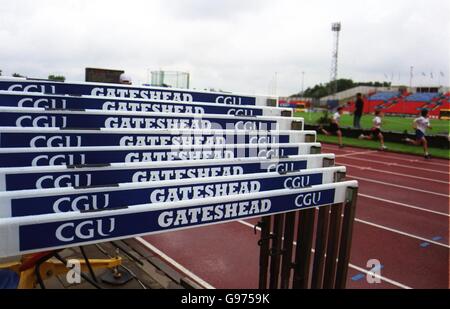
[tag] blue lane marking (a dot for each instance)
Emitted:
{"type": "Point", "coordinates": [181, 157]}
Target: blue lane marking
{"type": "Point", "coordinates": [427, 244]}
{"type": "Point", "coordinates": [360, 276]}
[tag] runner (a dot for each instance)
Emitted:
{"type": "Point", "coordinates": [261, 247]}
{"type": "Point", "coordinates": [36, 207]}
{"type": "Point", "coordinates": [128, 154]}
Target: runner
{"type": "Point", "coordinates": [421, 124]}
{"type": "Point", "coordinates": [376, 130]}
{"type": "Point", "coordinates": [334, 126]}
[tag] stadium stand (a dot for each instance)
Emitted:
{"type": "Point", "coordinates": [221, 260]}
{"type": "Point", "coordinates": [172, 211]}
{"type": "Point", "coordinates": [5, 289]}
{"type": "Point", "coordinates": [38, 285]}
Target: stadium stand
{"type": "Point", "coordinates": [384, 96]}
{"type": "Point", "coordinates": [422, 97]}
{"type": "Point", "coordinates": [396, 103]}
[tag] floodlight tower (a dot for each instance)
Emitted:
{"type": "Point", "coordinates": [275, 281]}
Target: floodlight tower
{"type": "Point", "coordinates": [336, 28]}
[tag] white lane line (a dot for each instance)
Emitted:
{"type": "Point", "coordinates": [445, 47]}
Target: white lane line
{"type": "Point", "coordinates": [350, 265]}
{"type": "Point", "coordinates": [392, 173]}
{"type": "Point", "coordinates": [404, 205]}
{"type": "Point", "coordinates": [396, 283]}
{"type": "Point", "coordinates": [392, 155]}
{"type": "Point", "coordinates": [175, 264]}
{"type": "Point", "coordinates": [399, 165]}
{"type": "Point", "coordinates": [355, 153]}
{"type": "Point", "coordinates": [391, 230]}
{"type": "Point", "coordinates": [336, 148]}
{"type": "Point", "coordinates": [422, 161]}
{"type": "Point", "coordinates": [402, 233]}
{"type": "Point", "coordinates": [398, 186]}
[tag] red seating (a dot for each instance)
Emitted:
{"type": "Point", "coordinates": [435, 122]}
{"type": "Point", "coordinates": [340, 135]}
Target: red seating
{"type": "Point", "coordinates": [400, 105]}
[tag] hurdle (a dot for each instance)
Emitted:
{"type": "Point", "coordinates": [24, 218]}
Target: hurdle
{"type": "Point", "coordinates": [18, 157]}
{"type": "Point", "coordinates": [86, 119]}
{"type": "Point", "coordinates": [48, 101]}
{"type": "Point", "coordinates": [59, 200]}
{"type": "Point", "coordinates": [60, 176]}
{"type": "Point", "coordinates": [126, 91]}
{"type": "Point", "coordinates": [57, 137]}
{"type": "Point", "coordinates": [24, 235]}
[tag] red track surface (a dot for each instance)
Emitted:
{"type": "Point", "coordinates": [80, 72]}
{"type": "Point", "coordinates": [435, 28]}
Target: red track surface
{"type": "Point", "coordinates": [392, 224]}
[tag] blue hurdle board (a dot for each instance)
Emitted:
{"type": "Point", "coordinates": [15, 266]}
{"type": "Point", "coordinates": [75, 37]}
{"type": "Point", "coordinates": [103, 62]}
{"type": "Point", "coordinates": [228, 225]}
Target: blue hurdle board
{"type": "Point", "coordinates": [53, 231]}
{"type": "Point", "coordinates": [36, 117]}
{"type": "Point", "coordinates": [36, 100]}
{"type": "Point", "coordinates": [60, 200]}
{"type": "Point", "coordinates": [126, 91]}
{"type": "Point", "coordinates": [17, 157]}
{"type": "Point", "coordinates": [45, 177]}
{"type": "Point", "coordinates": [57, 137]}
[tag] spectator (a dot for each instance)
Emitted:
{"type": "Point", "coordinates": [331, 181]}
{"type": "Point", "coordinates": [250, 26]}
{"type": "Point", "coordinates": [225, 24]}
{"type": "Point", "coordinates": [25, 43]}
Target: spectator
{"type": "Point", "coordinates": [359, 107]}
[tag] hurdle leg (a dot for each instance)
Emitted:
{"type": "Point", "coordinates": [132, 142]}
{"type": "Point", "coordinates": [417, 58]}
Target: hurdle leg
{"type": "Point", "coordinates": [264, 244]}
{"type": "Point", "coordinates": [304, 247]}
{"type": "Point", "coordinates": [346, 238]}
{"type": "Point", "coordinates": [323, 224]}
{"type": "Point", "coordinates": [333, 246]}
{"type": "Point", "coordinates": [275, 251]}
{"type": "Point", "coordinates": [288, 244]}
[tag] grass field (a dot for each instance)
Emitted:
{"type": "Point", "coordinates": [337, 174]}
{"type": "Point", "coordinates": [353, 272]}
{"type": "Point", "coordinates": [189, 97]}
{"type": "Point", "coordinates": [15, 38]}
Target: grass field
{"type": "Point", "coordinates": [394, 124]}
{"type": "Point", "coordinates": [397, 147]}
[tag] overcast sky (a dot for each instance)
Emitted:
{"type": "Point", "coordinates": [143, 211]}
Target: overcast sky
{"type": "Point", "coordinates": [235, 45]}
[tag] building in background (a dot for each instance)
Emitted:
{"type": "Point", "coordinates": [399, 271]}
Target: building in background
{"type": "Point", "coordinates": [96, 75]}
{"type": "Point", "coordinates": [174, 79]}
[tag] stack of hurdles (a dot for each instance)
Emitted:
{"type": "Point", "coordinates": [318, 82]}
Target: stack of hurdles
{"type": "Point", "coordinates": [85, 163]}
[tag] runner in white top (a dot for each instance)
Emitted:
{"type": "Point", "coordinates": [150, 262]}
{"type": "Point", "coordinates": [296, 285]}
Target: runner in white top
{"type": "Point", "coordinates": [337, 118]}
{"type": "Point", "coordinates": [376, 130]}
{"type": "Point", "coordinates": [421, 124]}
{"type": "Point", "coordinates": [377, 121]}
{"type": "Point", "coordinates": [334, 126]}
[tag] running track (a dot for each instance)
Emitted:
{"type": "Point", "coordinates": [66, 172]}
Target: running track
{"type": "Point", "coordinates": [402, 221]}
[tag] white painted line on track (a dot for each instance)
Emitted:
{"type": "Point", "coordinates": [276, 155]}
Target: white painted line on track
{"type": "Point", "coordinates": [175, 264]}
{"type": "Point", "coordinates": [393, 155]}
{"type": "Point", "coordinates": [404, 205]}
{"type": "Point", "coordinates": [367, 272]}
{"type": "Point", "coordinates": [422, 161]}
{"type": "Point", "coordinates": [398, 165]}
{"type": "Point", "coordinates": [402, 233]}
{"type": "Point", "coordinates": [393, 282]}
{"type": "Point", "coordinates": [392, 173]}
{"type": "Point", "coordinates": [355, 153]}
{"type": "Point", "coordinates": [398, 186]}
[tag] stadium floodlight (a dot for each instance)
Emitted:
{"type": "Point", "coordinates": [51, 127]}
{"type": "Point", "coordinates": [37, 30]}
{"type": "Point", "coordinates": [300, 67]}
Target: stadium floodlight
{"type": "Point", "coordinates": [336, 28]}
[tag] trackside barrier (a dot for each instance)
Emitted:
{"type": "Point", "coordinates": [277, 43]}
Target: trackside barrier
{"type": "Point", "coordinates": [53, 231]}
{"type": "Point", "coordinates": [124, 91]}
{"type": "Point", "coordinates": [289, 262]}
{"type": "Point", "coordinates": [45, 177]}
{"type": "Point", "coordinates": [18, 157]}
{"type": "Point", "coordinates": [62, 200]}
{"type": "Point", "coordinates": [36, 100]}
{"type": "Point", "coordinates": [87, 119]}
{"type": "Point", "coordinates": [56, 137]}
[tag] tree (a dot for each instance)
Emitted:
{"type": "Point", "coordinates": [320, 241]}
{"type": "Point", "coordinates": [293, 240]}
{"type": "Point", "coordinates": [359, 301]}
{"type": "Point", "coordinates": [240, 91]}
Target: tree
{"type": "Point", "coordinates": [323, 90]}
{"type": "Point", "coordinates": [57, 78]}
{"type": "Point", "coordinates": [18, 75]}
